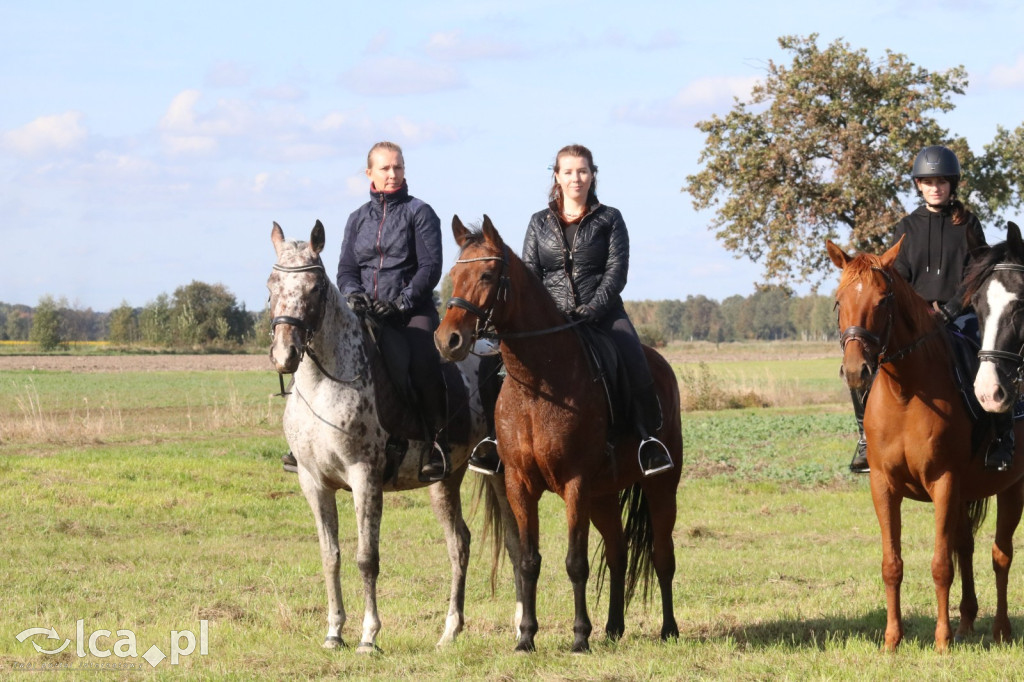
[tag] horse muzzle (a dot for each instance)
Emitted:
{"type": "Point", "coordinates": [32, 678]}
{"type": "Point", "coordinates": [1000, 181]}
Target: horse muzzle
{"type": "Point", "coordinates": [286, 348]}
{"type": "Point", "coordinates": [856, 369]}
{"type": "Point", "coordinates": [993, 391]}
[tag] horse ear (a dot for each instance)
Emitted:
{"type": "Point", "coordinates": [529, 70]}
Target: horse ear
{"type": "Point", "coordinates": [890, 256]}
{"type": "Point", "coordinates": [459, 230]}
{"type": "Point", "coordinates": [317, 237]}
{"type": "Point", "coordinates": [837, 255]}
{"type": "Point", "coordinates": [491, 232]}
{"type": "Point", "coordinates": [277, 236]}
{"type": "Point", "coordinates": [1013, 238]}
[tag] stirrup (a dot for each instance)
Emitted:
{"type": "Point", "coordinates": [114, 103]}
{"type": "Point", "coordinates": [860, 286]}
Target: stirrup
{"type": "Point", "coordinates": [657, 468]}
{"type": "Point", "coordinates": [485, 460]}
{"type": "Point", "coordinates": [431, 476]}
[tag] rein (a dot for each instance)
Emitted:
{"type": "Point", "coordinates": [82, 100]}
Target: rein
{"type": "Point", "coordinates": [484, 325]}
{"type": "Point", "coordinates": [309, 329]}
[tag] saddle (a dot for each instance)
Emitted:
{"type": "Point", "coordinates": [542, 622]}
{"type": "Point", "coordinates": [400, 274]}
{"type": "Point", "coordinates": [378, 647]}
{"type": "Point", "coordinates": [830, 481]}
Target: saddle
{"type": "Point", "coordinates": [398, 408]}
{"type": "Point", "coordinates": [608, 369]}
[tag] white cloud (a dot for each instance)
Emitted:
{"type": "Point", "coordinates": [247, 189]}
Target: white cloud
{"type": "Point", "coordinates": [1008, 76]}
{"type": "Point", "coordinates": [47, 134]}
{"type": "Point", "coordinates": [696, 100]}
{"type": "Point", "coordinates": [400, 76]}
{"type": "Point", "coordinates": [452, 45]}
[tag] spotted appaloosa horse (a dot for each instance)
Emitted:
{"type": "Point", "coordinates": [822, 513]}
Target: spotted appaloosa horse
{"type": "Point", "coordinates": [553, 424]}
{"type": "Point", "coordinates": [331, 424]}
{"type": "Point", "coordinates": [919, 440]}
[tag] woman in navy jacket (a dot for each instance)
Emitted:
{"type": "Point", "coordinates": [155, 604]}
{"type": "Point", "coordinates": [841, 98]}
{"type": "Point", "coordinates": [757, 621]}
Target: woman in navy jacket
{"type": "Point", "coordinates": [390, 263]}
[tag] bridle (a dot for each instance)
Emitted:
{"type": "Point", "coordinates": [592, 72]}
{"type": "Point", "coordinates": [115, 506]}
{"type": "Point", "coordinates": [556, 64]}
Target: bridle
{"type": "Point", "coordinates": [484, 328]}
{"type": "Point", "coordinates": [994, 356]}
{"type": "Point", "coordinates": [309, 329]}
{"type": "Point", "coordinates": [865, 337]}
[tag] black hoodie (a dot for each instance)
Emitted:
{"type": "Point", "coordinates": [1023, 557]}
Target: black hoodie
{"type": "Point", "coordinates": [935, 253]}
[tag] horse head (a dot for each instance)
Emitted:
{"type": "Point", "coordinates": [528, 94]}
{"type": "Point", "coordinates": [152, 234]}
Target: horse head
{"type": "Point", "coordinates": [995, 287]}
{"type": "Point", "coordinates": [864, 311]}
{"type": "Point", "coordinates": [298, 288]}
{"type": "Point", "coordinates": [479, 282]}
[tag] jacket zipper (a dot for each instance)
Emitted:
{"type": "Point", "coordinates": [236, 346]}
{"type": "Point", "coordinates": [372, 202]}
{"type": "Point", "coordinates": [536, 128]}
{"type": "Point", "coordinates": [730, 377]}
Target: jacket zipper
{"type": "Point", "coordinates": [380, 252]}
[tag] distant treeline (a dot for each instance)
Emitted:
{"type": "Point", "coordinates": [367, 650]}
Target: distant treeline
{"type": "Point", "coordinates": [202, 316]}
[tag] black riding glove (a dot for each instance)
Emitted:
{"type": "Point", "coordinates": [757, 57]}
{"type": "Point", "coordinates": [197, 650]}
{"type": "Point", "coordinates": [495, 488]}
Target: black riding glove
{"type": "Point", "coordinates": [950, 310]}
{"type": "Point", "coordinates": [583, 313]}
{"type": "Point", "coordinates": [359, 302]}
{"type": "Point", "coordinates": [386, 310]}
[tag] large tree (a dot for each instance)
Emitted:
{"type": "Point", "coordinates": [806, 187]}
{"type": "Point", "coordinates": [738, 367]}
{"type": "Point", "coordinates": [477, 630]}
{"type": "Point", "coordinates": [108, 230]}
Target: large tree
{"type": "Point", "coordinates": [823, 149]}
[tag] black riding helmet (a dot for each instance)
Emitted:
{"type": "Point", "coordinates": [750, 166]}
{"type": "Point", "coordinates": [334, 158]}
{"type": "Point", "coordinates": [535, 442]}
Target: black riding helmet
{"type": "Point", "coordinates": [937, 162]}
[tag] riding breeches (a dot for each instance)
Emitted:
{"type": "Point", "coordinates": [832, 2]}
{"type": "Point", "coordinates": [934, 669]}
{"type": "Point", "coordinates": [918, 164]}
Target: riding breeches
{"type": "Point", "coordinates": [617, 325]}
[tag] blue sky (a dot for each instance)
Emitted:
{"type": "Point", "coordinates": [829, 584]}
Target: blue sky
{"type": "Point", "coordinates": [144, 145]}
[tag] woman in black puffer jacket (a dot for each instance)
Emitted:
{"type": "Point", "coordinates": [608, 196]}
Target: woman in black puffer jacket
{"type": "Point", "coordinates": [579, 248]}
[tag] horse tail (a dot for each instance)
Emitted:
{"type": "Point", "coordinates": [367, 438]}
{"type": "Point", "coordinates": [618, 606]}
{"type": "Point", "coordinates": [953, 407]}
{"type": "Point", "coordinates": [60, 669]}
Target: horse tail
{"type": "Point", "coordinates": [976, 513]}
{"type": "Point", "coordinates": [639, 540]}
{"type": "Point", "coordinates": [493, 524]}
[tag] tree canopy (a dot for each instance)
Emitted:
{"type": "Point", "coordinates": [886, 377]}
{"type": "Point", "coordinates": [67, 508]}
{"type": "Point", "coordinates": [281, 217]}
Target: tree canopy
{"type": "Point", "coordinates": [824, 149]}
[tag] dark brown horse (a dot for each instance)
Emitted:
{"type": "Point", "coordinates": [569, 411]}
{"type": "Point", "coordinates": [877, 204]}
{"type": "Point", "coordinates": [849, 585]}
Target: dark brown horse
{"type": "Point", "coordinates": [553, 428]}
{"type": "Point", "coordinates": [919, 439]}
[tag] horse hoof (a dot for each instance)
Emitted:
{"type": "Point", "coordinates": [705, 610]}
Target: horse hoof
{"type": "Point", "coordinates": [368, 648]}
{"type": "Point", "coordinates": [581, 647]}
{"type": "Point", "coordinates": [669, 632]}
{"type": "Point", "coordinates": [525, 647]}
{"type": "Point", "coordinates": [333, 642]}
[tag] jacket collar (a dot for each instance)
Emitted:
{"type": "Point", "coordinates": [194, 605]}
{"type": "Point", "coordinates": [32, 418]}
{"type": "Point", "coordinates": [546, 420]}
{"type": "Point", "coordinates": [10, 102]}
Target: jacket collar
{"type": "Point", "coordinates": [399, 195]}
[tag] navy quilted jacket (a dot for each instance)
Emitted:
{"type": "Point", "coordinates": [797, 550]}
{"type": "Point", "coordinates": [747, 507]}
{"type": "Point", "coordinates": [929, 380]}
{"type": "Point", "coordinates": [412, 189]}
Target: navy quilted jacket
{"type": "Point", "coordinates": [392, 250]}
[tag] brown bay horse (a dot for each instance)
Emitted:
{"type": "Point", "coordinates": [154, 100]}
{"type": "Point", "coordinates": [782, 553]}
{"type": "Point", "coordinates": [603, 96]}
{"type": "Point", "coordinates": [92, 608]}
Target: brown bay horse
{"type": "Point", "coordinates": [553, 427]}
{"type": "Point", "coordinates": [919, 440]}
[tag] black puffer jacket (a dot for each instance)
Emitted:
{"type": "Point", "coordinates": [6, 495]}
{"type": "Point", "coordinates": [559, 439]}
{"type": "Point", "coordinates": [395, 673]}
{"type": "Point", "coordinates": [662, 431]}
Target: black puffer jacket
{"type": "Point", "coordinates": [392, 251]}
{"type": "Point", "coordinates": [592, 270]}
{"type": "Point", "coordinates": [936, 252]}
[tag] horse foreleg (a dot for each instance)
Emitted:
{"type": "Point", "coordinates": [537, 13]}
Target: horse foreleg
{"type": "Point", "coordinates": [947, 515]}
{"type": "Point", "coordinates": [965, 563]}
{"type": "Point", "coordinates": [605, 515]}
{"type": "Point", "coordinates": [887, 509]}
{"type": "Point", "coordinates": [1008, 512]}
{"type": "Point", "coordinates": [524, 506]}
{"type": "Point", "coordinates": [324, 505]}
{"type": "Point", "coordinates": [368, 499]}
{"type": "Point", "coordinates": [577, 566]}
{"type": "Point", "coordinates": [447, 504]}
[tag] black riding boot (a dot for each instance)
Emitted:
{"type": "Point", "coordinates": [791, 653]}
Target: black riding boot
{"type": "Point", "coordinates": [484, 458]}
{"type": "Point", "coordinates": [288, 463]}
{"type": "Point", "coordinates": [437, 465]}
{"type": "Point", "coordinates": [1000, 452]}
{"type": "Point", "coordinates": [859, 463]}
{"type": "Point", "coordinates": [653, 456]}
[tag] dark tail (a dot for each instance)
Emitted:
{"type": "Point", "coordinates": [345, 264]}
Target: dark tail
{"type": "Point", "coordinates": [493, 525]}
{"type": "Point", "coordinates": [636, 522]}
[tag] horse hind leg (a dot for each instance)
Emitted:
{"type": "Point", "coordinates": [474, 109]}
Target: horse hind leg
{"type": "Point", "coordinates": [447, 504]}
{"type": "Point", "coordinates": [605, 516]}
{"type": "Point", "coordinates": [323, 503]}
{"type": "Point", "coordinates": [1010, 504]}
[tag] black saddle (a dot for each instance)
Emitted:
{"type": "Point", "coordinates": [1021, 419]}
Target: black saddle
{"type": "Point", "coordinates": [610, 371]}
{"type": "Point", "coordinates": [398, 408]}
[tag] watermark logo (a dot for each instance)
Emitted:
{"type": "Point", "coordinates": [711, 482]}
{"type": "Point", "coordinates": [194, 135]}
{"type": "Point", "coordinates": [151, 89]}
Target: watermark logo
{"type": "Point", "coordinates": [101, 644]}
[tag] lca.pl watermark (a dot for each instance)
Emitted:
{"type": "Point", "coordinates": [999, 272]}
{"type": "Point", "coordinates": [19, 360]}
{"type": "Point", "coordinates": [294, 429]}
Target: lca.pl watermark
{"type": "Point", "coordinates": [181, 643]}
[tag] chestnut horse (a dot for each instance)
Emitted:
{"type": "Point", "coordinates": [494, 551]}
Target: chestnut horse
{"type": "Point", "coordinates": [332, 426]}
{"type": "Point", "coordinates": [918, 435]}
{"type": "Point", "coordinates": [553, 429]}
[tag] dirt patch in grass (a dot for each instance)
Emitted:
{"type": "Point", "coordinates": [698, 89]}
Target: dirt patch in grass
{"type": "Point", "coordinates": [136, 363]}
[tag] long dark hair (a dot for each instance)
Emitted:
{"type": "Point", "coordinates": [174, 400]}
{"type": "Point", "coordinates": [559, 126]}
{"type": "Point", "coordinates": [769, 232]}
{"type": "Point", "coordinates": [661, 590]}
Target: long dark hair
{"type": "Point", "coordinates": [580, 152]}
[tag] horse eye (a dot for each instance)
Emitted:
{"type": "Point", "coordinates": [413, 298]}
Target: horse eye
{"type": "Point", "coordinates": [487, 276]}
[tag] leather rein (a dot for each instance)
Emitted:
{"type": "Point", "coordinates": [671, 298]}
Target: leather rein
{"type": "Point", "coordinates": [484, 328]}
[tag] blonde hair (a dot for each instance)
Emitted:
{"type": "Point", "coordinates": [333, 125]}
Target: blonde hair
{"type": "Point", "coordinates": [385, 145]}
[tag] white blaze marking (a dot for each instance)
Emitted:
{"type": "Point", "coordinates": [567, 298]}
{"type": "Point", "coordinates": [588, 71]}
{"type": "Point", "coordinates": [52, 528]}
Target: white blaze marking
{"type": "Point", "coordinates": [987, 381]}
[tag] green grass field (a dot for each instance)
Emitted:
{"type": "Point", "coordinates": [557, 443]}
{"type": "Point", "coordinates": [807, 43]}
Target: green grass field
{"type": "Point", "coordinates": [153, 502]}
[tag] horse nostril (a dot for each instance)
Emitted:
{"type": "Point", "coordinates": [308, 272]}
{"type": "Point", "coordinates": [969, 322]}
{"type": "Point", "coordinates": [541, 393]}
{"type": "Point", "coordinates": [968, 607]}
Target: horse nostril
{"type": "Point", "coordinates": [454, 340]}
{"type": "Point", "coordinates": [842, 372]}
{"type": "Point", "coordinates": [998, 395]}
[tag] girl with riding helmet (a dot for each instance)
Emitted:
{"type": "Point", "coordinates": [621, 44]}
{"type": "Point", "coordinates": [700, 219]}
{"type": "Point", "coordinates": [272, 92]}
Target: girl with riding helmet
{"type": "Point", "coordinates": [938, 240]}
{"type": "Point", "coordinates": [579, 248]}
